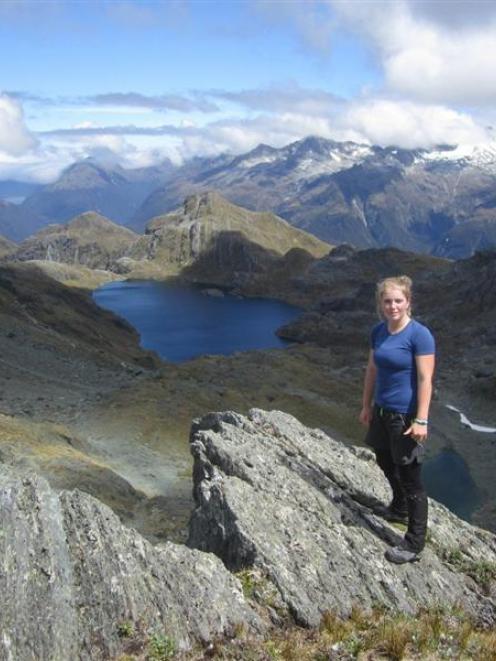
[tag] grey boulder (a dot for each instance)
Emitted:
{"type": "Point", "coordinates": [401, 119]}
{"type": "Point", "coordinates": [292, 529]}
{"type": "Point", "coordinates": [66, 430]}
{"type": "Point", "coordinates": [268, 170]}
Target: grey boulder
{"type": "Point", "coordinates": [298, 506]}
{"type": "Point", "coordinates": [72, 578]}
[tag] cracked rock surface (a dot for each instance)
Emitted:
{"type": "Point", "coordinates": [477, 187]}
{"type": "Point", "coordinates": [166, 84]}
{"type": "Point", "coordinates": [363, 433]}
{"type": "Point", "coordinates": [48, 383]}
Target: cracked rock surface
{"type": "Point", "coordinates": [71, 575]}
{"type": "Point", "coordinates": [296, 504]}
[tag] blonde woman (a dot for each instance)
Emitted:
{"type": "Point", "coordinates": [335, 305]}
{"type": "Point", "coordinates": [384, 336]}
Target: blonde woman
{"type": "Point", "coordinates": [396, 398]}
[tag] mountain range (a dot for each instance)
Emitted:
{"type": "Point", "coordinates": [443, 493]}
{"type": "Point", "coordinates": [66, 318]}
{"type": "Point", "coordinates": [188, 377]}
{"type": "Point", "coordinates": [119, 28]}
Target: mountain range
{"type": "Point", "coordinates": [440, 201]}
{"type": "Point", "coordinates": [207, 232]}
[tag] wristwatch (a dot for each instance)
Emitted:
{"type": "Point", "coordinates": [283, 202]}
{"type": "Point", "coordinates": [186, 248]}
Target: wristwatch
{"type": "Point", "coordinates": [420, 421]}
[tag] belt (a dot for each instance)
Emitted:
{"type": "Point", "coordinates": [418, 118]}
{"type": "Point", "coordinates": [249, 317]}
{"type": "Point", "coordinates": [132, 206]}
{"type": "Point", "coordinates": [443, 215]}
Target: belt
{"type": "Point", "coordinates": [384, 412]}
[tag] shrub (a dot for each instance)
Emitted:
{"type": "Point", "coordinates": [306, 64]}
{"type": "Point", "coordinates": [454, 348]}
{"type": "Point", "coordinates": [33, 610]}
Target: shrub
{"type": "Point", "coordinates": [161, 647]}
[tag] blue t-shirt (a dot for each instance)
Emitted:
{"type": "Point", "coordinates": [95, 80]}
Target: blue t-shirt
{"type": "Point", "coordinates": [394, 357]}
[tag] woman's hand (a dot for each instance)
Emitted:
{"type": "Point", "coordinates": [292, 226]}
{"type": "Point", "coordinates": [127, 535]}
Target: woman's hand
{"type": "Point", "coordinates": [365, 416]}
{"type": "Point", "coordinates": [417, 432]}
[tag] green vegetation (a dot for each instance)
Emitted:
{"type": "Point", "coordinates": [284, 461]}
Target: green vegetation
{"type": "Point", "coordinates": [483, 572]}
{"type": "Point", "coordinates": [248, 580]}
{"type": "Point", "coordinates": [259, 588]}
{"type": "Point", "coordinates": [161, 648]}
{"type": "Point", "coordinates": [435, 633]}
{"type": "Point", "coordinates": [125, 629]}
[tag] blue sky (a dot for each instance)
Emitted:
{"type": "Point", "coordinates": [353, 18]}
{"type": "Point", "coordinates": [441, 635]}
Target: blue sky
{"type": "Point", "coordinates": [135, 82]}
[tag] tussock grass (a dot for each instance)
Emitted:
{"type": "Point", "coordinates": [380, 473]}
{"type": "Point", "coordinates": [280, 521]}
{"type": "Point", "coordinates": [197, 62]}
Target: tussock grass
{"type": "Point", "coordinates": [374, 635]}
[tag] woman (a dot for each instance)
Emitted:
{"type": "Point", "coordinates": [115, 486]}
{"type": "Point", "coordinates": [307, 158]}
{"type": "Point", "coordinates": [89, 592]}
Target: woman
{"type": "Point", "coordinates": [396, 398]}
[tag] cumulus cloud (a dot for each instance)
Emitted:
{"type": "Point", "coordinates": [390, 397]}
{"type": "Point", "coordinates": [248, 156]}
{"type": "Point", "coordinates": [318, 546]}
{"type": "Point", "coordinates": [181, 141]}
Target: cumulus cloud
{"type": "Point", "coordinates": [15, 138]}
{"type": "Point", "coordinates": [455, 14]}
{"type": "Point", "coordinates": [295, 114]}
{"type": "Point", "coordinates": [437, 51]}
{"type": "Point", "coordinates": [430, 51]}
{"type": "Point", "coordinates": [46, 162]}
{"type": "Point", "coordinates": [406, 124]}
{"type": "Point", "coordinates": [236, 136]}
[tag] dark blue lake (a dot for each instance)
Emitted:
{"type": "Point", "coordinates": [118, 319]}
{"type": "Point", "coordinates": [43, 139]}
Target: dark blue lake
{"type": "Point", "coordinates": [181, 322]}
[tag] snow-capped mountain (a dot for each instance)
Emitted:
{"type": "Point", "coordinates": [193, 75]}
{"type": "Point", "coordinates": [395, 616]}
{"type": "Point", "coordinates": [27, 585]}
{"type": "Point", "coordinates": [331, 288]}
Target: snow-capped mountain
{"type": "Point", "coordinates": [441, 201]}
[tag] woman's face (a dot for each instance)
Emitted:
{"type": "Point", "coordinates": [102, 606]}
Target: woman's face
{"type": "Point", "coordinates": [395, 305]}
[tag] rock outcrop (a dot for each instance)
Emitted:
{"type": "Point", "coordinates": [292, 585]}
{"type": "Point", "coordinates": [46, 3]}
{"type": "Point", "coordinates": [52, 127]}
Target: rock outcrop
{"type": "Point", "coordinates": [180, 238]}
{"type": "Point", "coordinates": [76, 584]}
{"type": "Point", "coordinates": [297, 505]}
{"type": "Point", "coordinates": [89, 240]}
{"type": "Point", "coordinates": [283, 500]}
{"type": "Point", "coordinates": [218, 239]}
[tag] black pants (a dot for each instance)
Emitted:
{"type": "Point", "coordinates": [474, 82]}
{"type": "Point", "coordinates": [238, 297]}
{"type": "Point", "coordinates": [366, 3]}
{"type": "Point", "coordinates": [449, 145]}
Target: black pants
{"type": "Point", "coordinates": [400, 459]}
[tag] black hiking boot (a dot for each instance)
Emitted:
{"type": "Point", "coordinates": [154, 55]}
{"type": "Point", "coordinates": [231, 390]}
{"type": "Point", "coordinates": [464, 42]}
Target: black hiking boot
{"type": "Point", "coordinates": [391, 514]}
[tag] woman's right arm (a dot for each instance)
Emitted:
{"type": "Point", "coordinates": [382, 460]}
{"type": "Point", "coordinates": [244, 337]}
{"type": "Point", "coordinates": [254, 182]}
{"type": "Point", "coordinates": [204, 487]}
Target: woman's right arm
{"type": "Point", "coordinates": [368, 391]}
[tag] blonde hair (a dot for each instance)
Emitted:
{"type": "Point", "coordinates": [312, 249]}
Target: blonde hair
{"type": "Point", "coordinates": [401, 282]}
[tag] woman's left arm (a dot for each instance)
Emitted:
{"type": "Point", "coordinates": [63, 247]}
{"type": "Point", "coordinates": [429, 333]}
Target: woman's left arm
{"type": "Point", "coordinates": [425, 372]}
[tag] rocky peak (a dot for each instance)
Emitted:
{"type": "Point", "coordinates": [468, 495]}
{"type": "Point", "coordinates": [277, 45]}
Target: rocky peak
{"type": "Point", "coordinates": [90, 239]}
{"type": "Point", "coordinates": [225, 236]}
{"type": "Point", "coordinates": [261, 154]}
{"type": "Point", "coordinates": [205, 203]}
{"type": "Point", "coordinates": [86, 174]}
{"type": "Point", "coordinates": [94, 222]}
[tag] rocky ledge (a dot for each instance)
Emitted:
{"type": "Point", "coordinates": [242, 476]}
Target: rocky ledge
{"type": "Point", "coordinates": [296, 505]}
{"type": "Point", "coordinates": [285, 502]}
{"type": "Point", "coordinates": [75, 582]}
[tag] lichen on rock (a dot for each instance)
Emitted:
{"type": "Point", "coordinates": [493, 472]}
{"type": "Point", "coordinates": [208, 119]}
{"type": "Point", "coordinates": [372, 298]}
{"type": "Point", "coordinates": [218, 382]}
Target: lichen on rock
{"type": "Point", "coordinates": [71, 574]}
{"type": "Point", "coordinates": [275, 495]}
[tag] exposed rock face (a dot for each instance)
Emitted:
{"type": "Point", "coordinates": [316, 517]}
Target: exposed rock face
{"type": "Point", "coordinates": [296, 504]}
{"type": "Point", "coordinates": [209, 224]}
{"type": "Point", "coordinates": [89, 240]}
{"type": "Point", "coordinates": [211, 234]}
{"type": "Point", "coordinates": [71, 575]}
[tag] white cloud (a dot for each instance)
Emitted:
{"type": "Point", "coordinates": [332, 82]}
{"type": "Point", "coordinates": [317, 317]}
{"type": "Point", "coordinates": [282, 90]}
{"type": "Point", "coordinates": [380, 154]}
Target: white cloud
{"type": "Point", "coordinates": [15, 139]}
{"type": "Point", "coordinates": [406, 124]}
{"type": "Point", "coordinates": [45, 163]}
{"type": "Point", "coordinates": [297, 113]}
{"type": "Point", "coordinates": [426, 55]}
{"type": "Point", "coordinates": [236, 136]}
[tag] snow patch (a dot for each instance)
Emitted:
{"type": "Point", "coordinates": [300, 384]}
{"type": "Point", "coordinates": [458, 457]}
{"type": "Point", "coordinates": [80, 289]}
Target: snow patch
{"type": "Point", "coordinates": [465, 421]}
